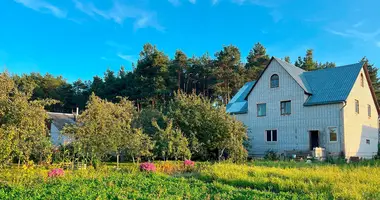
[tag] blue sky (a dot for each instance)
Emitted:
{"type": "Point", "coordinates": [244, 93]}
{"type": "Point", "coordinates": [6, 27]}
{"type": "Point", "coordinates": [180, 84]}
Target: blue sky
{"type": "Point", "coordinates": [82, 38]}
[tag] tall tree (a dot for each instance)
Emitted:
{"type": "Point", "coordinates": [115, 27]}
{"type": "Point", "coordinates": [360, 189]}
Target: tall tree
{"type": "Point", "coordinates": [308, 62]}
{"type": "Point", "coordinates": [226, 71]}
{"type": "Point", "coordinates": [23, 129]}
{"type": "Point", "coordinates": [257, 59]}
{"type": "Point", "coordinates": [152, 74]}
{"type": "Point", "coordinates": [177, 69]}
{"type": "Point", "coordinates": [287, 59]}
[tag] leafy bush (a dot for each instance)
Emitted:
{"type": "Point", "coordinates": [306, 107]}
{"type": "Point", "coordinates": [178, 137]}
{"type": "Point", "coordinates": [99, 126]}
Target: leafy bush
{"type": "Point", "coordinates": [271, 155]}
{"type": "Point", "coordinates": [147, 167]}
{"type": "Point", "coordinates": [56, 173]}
{"type": "Point", "coordinates": [211, 132]}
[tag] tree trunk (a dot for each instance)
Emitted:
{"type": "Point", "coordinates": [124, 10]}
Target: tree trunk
{"type": "Point", "coordinates": [117, 160]}
{"type": "Point", "coordinates": [221, 154]}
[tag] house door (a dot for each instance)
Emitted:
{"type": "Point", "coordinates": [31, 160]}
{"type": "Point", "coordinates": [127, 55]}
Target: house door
{"type": "Point", "coordinates": [314, 139]}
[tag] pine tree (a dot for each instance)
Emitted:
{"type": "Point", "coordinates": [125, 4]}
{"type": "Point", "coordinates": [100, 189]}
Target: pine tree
{"type": "Point", "coordinates": [257, 59]}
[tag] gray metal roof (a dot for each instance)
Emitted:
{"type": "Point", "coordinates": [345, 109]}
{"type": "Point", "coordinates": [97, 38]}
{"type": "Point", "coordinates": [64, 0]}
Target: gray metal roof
{"type": "Point", "coordinates": [325, 86]}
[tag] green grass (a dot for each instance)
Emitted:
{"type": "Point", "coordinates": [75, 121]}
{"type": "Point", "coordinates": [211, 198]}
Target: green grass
{"type": "Point", "coordinates": [254, 180]}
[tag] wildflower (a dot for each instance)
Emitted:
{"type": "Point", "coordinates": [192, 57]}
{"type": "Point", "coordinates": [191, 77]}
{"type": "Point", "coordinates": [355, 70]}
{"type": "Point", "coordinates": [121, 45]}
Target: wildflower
{"type": "Point", "coordinates": [189, 163]}
{"type": "Point", "coordinates": [56, 173]}
{"type": "Point", "coordinates": [148, 167]}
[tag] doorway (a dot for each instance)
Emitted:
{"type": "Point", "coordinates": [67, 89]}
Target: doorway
{"type": "Point", "coordinates": [314, 139]}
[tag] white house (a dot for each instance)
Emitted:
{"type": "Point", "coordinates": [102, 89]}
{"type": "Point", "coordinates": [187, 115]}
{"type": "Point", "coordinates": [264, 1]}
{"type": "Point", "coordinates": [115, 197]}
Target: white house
{"type": "Point", "coordinates": [289, 109]}
{"type": "Point", "coordinates": [58, 121]}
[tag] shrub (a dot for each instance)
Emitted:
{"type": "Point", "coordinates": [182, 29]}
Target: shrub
{"type": "Point", "coordinates": [58, 172]}
{"type": "Point", "coordinates": [271, 155]}
{"type": "Point", "coordinates": [147, 167]}
{"type": "Point", "coordinates": [189, 163]}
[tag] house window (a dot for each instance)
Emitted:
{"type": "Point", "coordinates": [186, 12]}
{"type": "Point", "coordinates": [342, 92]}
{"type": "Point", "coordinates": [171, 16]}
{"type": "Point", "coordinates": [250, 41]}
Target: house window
{"type": "Point", "coordinates": [362, 80]}
{"type": "Point", "coordinates": [286, 107]}
{"type": "Point", "coordinates": [369, 111]}
{"type": "Point", "coordinates": [357, 106]}
{"type": "Point", "coordinates": [368, 141]}
{"type": "Point", "coordinates": [261, 109]}
{"type": "Point", "coordinates": [274, 81]}
{"type": "Point", "coordinates": [271, 135]}
{"type": "Point", "coordinates": [333, 133]}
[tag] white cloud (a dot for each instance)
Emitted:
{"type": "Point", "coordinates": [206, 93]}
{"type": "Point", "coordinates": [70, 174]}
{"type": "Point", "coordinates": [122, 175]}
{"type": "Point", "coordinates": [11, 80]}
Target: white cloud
{"type": "Point", "coordinates": [365, 36]}
{"type": "Point", "coordinates": [43, 7]}
{"type": "Point", "coordinates": [120, 12]}
{"type": "Point", "coordinates": [178, 2]}
{"type": "Point", "coordinates": [214, 2]}
{"type": "Point", "coordinates": [256, 2]}
{"type": "Point", "coordinates": [358, 35]}
{"type": "Point", "coordinates": [129, 58]}
{"type": "Point", "coordinates": [358, 24]}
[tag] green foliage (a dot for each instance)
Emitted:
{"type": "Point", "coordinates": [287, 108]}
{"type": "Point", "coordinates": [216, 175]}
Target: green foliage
{"type": "Point", "coordinates": [256, 180]}
{"type": "Point", "coordinates": [170, 143]}
{"type": "Point", "coordinates": [23, 127]}
{"type": "Point", "coordinates": [271, 155]}
{"type": "Point", "coordinates": [228, 66]}
{"type": "Point", "coordinates": [308, 63]}
{"type": "Point", "coordinates": [257, 59]}
{"type": "Point", "coordinates": [145, 118]}
{"type": "Point", "coordinates": [212, 133]}
{"type": "Point", "coordinates": [106, 128]}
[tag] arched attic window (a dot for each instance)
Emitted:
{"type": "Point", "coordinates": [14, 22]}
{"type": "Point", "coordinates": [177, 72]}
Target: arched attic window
{"type": "Point", "coordinates": [362, 80]}
{"type": "Point", "coordinates": [274, 81]}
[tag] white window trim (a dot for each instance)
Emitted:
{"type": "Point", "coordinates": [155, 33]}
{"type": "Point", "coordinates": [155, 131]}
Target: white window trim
{"type": "Point", "coordinates": [265, 136]}
{"type": "Point", "coordinates": [368, 140]}
{"type": "Point", "coordinates": [257, 110]}
{"type": "Point", "coordinates": [291, 107]}
{"type": "Point", "coordinates": [270, 81]}
{"type": "Point", "coordinates": [357, 111]}
{"type": "Point", "coordinates": [337, 134]}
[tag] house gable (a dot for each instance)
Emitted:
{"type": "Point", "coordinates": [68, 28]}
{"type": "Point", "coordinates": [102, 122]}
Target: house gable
{"type": "Point", "coordinates": [361, 118]}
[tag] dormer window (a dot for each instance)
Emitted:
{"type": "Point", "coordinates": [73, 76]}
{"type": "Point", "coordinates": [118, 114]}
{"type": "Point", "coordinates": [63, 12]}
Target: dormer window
{"type": "Point", "coordinates": [274, 81]}
{"type": "Point", "coordinates": [362, 80]}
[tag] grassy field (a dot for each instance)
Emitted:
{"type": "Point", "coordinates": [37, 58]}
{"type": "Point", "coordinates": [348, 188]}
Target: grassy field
{"type": "Point", "coordinates": [253, 180]}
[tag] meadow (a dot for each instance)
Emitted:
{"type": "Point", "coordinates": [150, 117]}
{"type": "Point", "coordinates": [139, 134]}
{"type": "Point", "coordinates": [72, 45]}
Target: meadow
{"type": "Point", "coordinates": [171, 180]}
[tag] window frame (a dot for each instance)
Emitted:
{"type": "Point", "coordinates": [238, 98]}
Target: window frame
{"type": "Point", "coordinates": [368, 141]}
{"type": "Point", "coordinates": [271, 136]}
{"type": "Point", "coordinates": [278, 81]}
{"type": "Point", "coordinates": [357, 106]}
{"type": "Point", "coordinates": [336, 133]}
{"type": "Point", "coordinates": [257, 109]}
{"type": "Point", "coordinates": [369, 110]}
{"type": "Point", "coordinates": [286, 101]}
{"type": "Point", "coordinates": [361, 80]}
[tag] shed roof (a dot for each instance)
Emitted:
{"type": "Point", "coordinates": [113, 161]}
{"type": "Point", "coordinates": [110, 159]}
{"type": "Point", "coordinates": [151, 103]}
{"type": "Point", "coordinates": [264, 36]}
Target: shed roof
{"type": "Point", "coordinates": [238, 104]}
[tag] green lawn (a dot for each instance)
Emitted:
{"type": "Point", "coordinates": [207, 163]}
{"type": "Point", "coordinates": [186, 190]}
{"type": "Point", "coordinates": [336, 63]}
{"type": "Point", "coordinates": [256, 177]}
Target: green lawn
{"type": "Point", "coordinates": [254, 180]}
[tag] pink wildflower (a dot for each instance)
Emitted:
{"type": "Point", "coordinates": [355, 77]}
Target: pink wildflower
{"type": "Point", "coordinates": [189, 163]}
{"type": "Point", "coordinates": [148, 167]}
{"type": "Point", "coordinates": [56, 173]}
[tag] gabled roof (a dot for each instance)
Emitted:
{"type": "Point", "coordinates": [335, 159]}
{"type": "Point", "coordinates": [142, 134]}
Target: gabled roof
{"type": "Point", "coordinates": [331, 85]}
{"type": "Point", "coordinates": [325, 86]}
{"type": "Point", "coordinates": [61, 119]}
{"type": "Point", "coordinates": [296, 73]}
{"type": "Point", "coordinates": [238, 104]}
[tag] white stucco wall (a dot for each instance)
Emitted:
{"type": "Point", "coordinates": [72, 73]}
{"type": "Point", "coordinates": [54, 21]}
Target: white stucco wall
{"type": "Point", "coordinates": [358, 126]}
{"type": "Point", "coordinates": [293, 130]}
